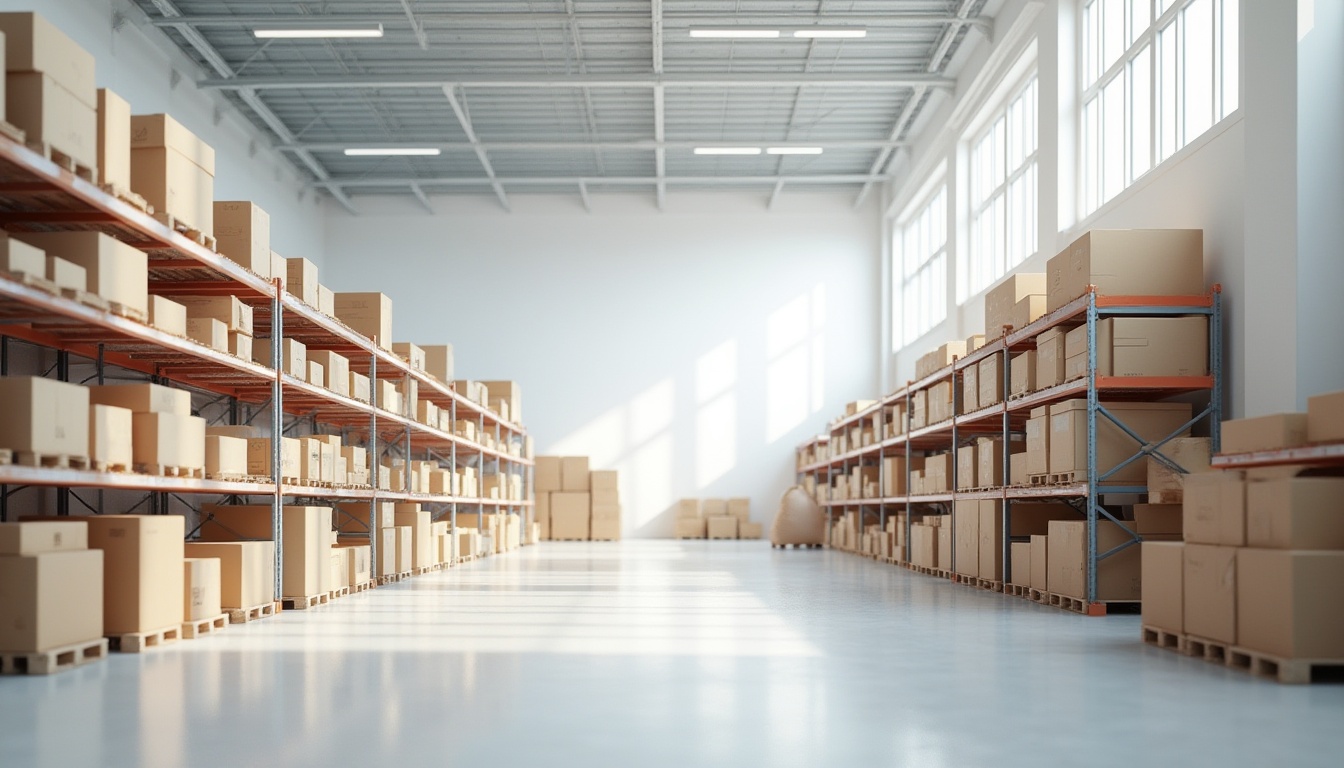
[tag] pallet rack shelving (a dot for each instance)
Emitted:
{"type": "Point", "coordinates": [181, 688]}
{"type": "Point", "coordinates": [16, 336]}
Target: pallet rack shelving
{"type": "Point", "coordinates": [1008, 417]}
{"type": "Point", "coordinates": [37, 195]}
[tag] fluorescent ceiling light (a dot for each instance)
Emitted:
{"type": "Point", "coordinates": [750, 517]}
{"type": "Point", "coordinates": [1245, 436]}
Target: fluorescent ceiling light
{"type": "Point", "coordinates": [393, 151]}
{"type": "Point", "coordinates": [736, 33]}
{"type": "Point", "coordinates": [318, 32]}
{"type": "Point", "coordinates": [793, 150]}
{"type": "Point", "coordinates": [727, 150]}
{"type": "Point", "coordinates": [831, 32]}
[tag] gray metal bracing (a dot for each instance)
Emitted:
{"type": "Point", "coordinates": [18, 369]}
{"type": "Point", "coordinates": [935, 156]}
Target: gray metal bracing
{"type": "Point", "coordinates": [620, 81]}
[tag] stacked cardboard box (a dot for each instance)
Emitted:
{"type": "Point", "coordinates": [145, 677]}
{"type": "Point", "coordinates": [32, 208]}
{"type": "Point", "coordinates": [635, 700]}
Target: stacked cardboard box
{"type": "Point", "coordinates": [574, 503]}
{"type": "Point", "coordinates": [49, 88]}
{"type": "Point", "coordinates": [43, 417]}
{"type": "Point", "coordinates": [174, 171]}
{"type": "Point", "coordinates": [100, 264]}
{"type": "Point", "coordinates": [246, 571]}
{"type": "Point", "coordinates": [143, 582]}
{"type": "Point", "coordinates": [52, 593]}
{"type": "Point", "coordinates": [307, 535]}
{"type": "Point", "coordinates": [164, 433]}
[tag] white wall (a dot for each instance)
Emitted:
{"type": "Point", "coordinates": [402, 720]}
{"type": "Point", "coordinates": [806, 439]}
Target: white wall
{"type": "Point", "coordinates": [691, 349]}
{"type": "Point", "coordinates": [138, 61]}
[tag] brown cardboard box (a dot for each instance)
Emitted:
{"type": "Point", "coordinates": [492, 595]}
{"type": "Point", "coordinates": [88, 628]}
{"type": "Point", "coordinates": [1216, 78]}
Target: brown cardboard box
{"type": "Point", "coordinates": [243, 234]}
{"type": "Point", "coordinates": [1017, 468]}
{"type": "Point", "coordinates": [337, 368]}
{"type": "Point", "coordinates": [246, 570]}
{"type": "Point", "coordinates": [967, 465]}
{"type": "Point", "coordinates": [293, 356]}
{"type": "Point", "coordinates": [173, 170]}
{"type": "Point", "coordinates": [1117, 576]}
{"type": "Point", "coordinates": [574, 473]}
{"type": "Point", "coordinates": [405, 548]}
{"type": "Point", "coordinates": [990, 379]}
{"type": "Point", "coordinates": [924, 545]}
{"type": "Point", "coordinates": [1214, 510]}
{"type": "Point", "coordinates": [1190, 453]}
{"type": "Point", "coordinates": [259, 457]}
{"type": "Point", "coordinates": [940, 402]}
{"type": "Point", "coordinates": [1027, 311]}
{"type": "Point", "coordinates": [990, 540]}
{"type": "Point", "coordinates": [201, 588]}
{"type": "Point", "coordinates": [570, 516]}
{"type": "Point", "coordinates": [893, 476]}
{"type": "Point", "coordinates": [605, 529]}
{"type": "Point", "coordinates": [988, 463]}
{"type": "Point", "coordinates": [50, 600]}
{"type": "Point", "coordinates": [116, 271]}
{"type": "Point", "coordinates": [1038, 442]}
{"type": "Point", "coordinates": [353, 516]}
{"type": "Point", "coordinates": [1020, 552]}
{"type": "Point", "coordinates": [413, 354]}
{"type": "Point", "coordinates": [419, 521]}
{"type": "Point", "coordinates": [110, 442]}
{"type": "Point", "coordinates": [1050, 358]}
{"type": "Point", "coordinates": [310, 460]}
{"type": "Point", "coordinates": [307, 536]}
{"type": "Point", "coordinates": [1040, 571]}
{"type": "Point", "coordinates": [225, 456]}
{"type": "Point", "coordinates": [51, 114]}
{"type": "Point", "coordinates": [387, 551]}
{"type": "Point", "coordinates": [43, 416]}
{"type": "Point", "coordinates": [748, 530]}
{"type": "Point", "coordinates": [340, 568]}
{"type": "Point", "coordinates": [1163, 576]}
{"type": "Point", "coordinates": [439, 361]}
{"type": "Point", "coordinates": [243, 431]}
{"type": "Point", "coordinates": [66, 275]}
{"type": "Point", "coordinates": [1142, 346]}
{"type": "Point", "coordinates": [936, 475]}
{"type": "Point", "coordinates": [1210, 585]}
{"type": "Point", "coordinates": [945, 548]}
{"type": "Point", "coordinates": [1128, 262]}
{"type": "Point", "coordinates": [367, 313]}
{"type": "Point", "coordinates": [690, 528]}
{"type": "Point", "coordinates": [1075, 354]}
{"type": "Point", "coordinates": [970, 389]}
{"type": "Point", "coordinates": [1289, 603]}
{"type": "Point", "coordinates": [326, 301]}
{"type": "Point", "coordinates": [240, 345]}
{"type": "Point", "coordinates": [19, 257]}
{"type": "Point", "coordinates": [236, 316]}
{"type": "Point", "coordinates": [358, 563]}
{"type": "Point", "coordinates": [1265, 433]}
{"type": "Point", "coordinates": [33, 44]}
{"type": "Point", "coordinates": [359, 387]}
{"type": "Point", "coordinates": [167, 315]}
{"type": "Point", "coordinates": [541, 514]}
{"type": "Point", "coordinates": [316, 375]}
{"type": "Point", "coordinates": [1068, 436]}
{"type": "Point", "coordinates": [603, 479]}
{"type": "Point", "coordinates": [1325, 418]}
{"type": "Point", "coordinates": [209, 332]}
{"type": "Point", "coordinates": [168, 440]}
{"type": "Point", "coordinates": [1295, 513]}
{"type": "Point", "coordinates": [142, 398]}
{"type": "Point", "coordinates": [36, 537]}
{"type": "Point", "coordinates": [301, 280]}
{"type": "Point", "coordinates": [966, 539]}
{"type": "Point", "coordinates": [1158, 520]}
{"type": "Point", "coordinates": [547, 474]}
{"type": "Point", "coordinates": [142, 571]}
{"type": "Point", "coordinates": [688, 509]}
{"type": "Point", "coordinates": [1022, 373]}
{"type": "Point", "coordinates": [721, 527]}
{"type": "Point", "coordinates": [508, 391]}
{"type": "Point", "coordinates": [1002, 298]}
{"type": "Point", "coordinates": [279, 269]}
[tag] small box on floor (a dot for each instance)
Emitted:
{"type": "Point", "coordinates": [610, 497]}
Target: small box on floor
{"type": "Point", "coordinates": [201, 588]}
{"type": "Point", "coordinates": [721, 527]}
{"type": "Point", "coordinates": [690, 528]}
{"type": "Point", "coordinates": [142, 571]}
{"type": "Point", "coordinates": [50, 599]}
{"type": "Point", "coordinates": [246, 570]}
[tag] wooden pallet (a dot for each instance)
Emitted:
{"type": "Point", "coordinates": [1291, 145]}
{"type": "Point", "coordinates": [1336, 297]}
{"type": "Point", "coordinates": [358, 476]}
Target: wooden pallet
{"type": "Point", "coordinates": [393, 578]}
{"type": "Point", "coordinates": [194, 629]}
{"type": "Point", "coordinates": [130, 313]}
{"type": "Point", "coordinates": [961, 578]}
{"type": "Point", "coordinates": [1161, 638]}
{"type": "Point", "coordinates": [422, 571]}
{"type": "Point", "coordinates": [362, 587]}
{"type": "Point", "coordinates": [1166, 497]}
{"type": "Point", "coordinates": [104, 466]}
{"type": "Point", "coordinates": [1100, 608]}
{"type": "Point", "coordinates": [40, 282]}
{"type": "Point", "coordinates": [192, 233]}
{"type": "Point", "coordinates": [469, 558]}
{"type": "Point", "coordinates": [162, 471]}
{"type": "Point", "coordinates": [68, 163]}
{"type": "Point", "coordinates": [233, 477]}
{"type": "Point", "coordinates": [305, 602]}
{"type": "Point", "coordinates": [1067, 478]}
{"type": "Point", "coordinates": [1016, 590]}
{"type": "Point", "coordinates": [61, 461]}
{"type": "Point", "coordinates": [1038, 595]}
{"type": "Point", "coordinates": [989, 584]}
{"type": "Point", "coordinates": [54, 660]}
{"type": "Point", "coordinates": [137, 642]}
{"type": "Point", "coordinates": [1038, 479]}
{"type": "Point", "coordinates": [555, 539]}
{"type": "Point", "coordinates": [1209, 650]}
{"type": "Point", "coordinates": [338, 592]}
{"type": "Point", "coordinates": [1287, 671]}
{"type": "Point", "coordinates": [128, 197]}
{"type": "Point", "coordinates": [86, 298]}
{"type": "Point", "coordinates": [244, 615]}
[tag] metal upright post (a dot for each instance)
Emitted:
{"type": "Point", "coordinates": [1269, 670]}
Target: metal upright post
{"type": "Point", "coordinates": [375, 467]}
{"type": "Point", "coordinates": [1216, 370]}
{"type": "Point", "coordinates": [1007, 467]}
{"type": "Point", "coordinates": [277, 437]}
{"type": "Point", "coordinates": [909, 488]}
{"type": "Point", "coordinates": [956, 409]}
{"type": "Point", "coordinates": [1092, 405]}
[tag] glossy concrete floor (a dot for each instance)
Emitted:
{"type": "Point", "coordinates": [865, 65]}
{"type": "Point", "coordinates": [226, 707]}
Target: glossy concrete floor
{"type": "Point", "coordinates": [668, 654]}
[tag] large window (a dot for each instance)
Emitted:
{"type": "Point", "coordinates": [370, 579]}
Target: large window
{"type": "Point", "coordinates": [1002, 194]}
{"type": "Point", "coordinates": [1156, 75]}
{"type": "Point", "coordinates": [921, 260]}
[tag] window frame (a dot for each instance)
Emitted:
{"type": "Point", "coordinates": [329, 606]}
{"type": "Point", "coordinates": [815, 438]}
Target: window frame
{"type": "Point", "coordinates": [905, 280]}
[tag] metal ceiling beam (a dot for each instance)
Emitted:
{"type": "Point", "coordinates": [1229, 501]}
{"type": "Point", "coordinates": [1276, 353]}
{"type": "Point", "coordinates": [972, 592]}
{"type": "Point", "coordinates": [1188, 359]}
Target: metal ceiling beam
{"type": "Point", "coordinates": [659, 104]}
{"type": "Point", "coordinates": [583, 193]}
{"type": "Point", "coordinates": [589, 114]}
{"type": "Point", "coordinates": [724, 80]}
{"type": "Point", "coordinates": [416, 26]}
{"type": "Point", "coordinates": [584, 146]}
{"type": "Point", "coordinates": [424, 201]}
{"type": "Point", "coordinates": [465, 122]}
{"type": "Point", "coordinates": [774, 195]}
{"type": "Point", "coordinates": [529, 19]}
{"type": "Point", "coordinates": [559, 181]}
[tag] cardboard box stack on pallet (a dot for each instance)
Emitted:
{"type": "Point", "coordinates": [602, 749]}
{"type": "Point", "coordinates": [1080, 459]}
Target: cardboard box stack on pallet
{"type": "Point", "coordinates": [715, 519]}
{"type": "Point", "coordinates": [1255, 581]}
{"type": "Point", "coordinates": [51, 595]}
{"type": "Point", "coordinates": [575, 503]}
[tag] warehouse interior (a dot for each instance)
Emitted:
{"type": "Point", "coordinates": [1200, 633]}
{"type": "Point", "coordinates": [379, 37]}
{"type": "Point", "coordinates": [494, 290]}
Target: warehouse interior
{"type": "Point", "coordinates": [928, 382]}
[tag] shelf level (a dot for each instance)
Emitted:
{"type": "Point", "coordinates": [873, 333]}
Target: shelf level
{"type": "Point", "coordinates": [1329, 454]}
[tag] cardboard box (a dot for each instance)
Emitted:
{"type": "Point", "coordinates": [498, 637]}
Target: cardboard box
{"type": "Point", "coordinates": [293, 356]}
{"type": "Point", "coordinates": [142, 571]}
{"type": "Point", "coordinates": [574, 473]}
{"type": "Point", "coordinates": [1050, 358]}
{"type": "Point", "coordinates": [36, 537]}
{"type": "Point", "coordinates": [110, 444]}
{"type": "Point", "coordinates": [259, 457]}
{"type": "Point", "coordinates": [966, 540]}
{"type": "Point", "coordinates": [66, 275]}
{"type": "Point", "coordinates": [414, 355]}
{"type": "Point", "coordinates": [367, 313]}
{"type": "Point", "coordinates": [167, 315]}
{"type": "Point", "coordinates": [243, 235]}
{"type": "Point", "coordinates": [1017, 469]}
{"type": "Point", "coordinates": [359, 563]}
{"type": "Point", "coordinates": [142, 398]}
{"type": "Point", "coordinates": [230, 310]}
{"type": "Point", "coordinates": [691, 528]}
{"type": "Point", "coordinates": [1068, 436]}
{"type": "Point", "coordinates": [1301, 513]}
{"type": "Point", "coordinates": [33, 44]}
{"type": "Point", "coordinates": [1289, 603]}
{"type": "Point", "coordinates": [359, 387]}
{"type": "Point", "coordinates": [405, 548]}
{"type": "Point", "coordinates": [1163, 577]}
{"type": "Point", "coordinates": [316, 375]}
{"type": "Point", "coordinates": [340, 568]}
{"type": "Point", "coordinates": [1153, 521]}
{"type": "Point", "coordinates": [1118, 576]}
{"type": "Point", "coordinates": [173, 170]}
{"type": "Point", "coordinates": [386, 556]}
{"type": "Point", "coordinates": [988, 463]}
{"type": "Point", "coordinates": [1002, 298]}
{"type": "Point", "coordinates": [307, 536]}
{"type": "Point", "coordinates": [1027, 311]}
{"type": "Point", "coordinates": [419, 521]}
{"type": "Point", "coordinates": [967, 464]}
{"type": "Point", "coordinates": [1214, 510]}
{"type": "Point", "coordinates": [19, 257]}
{"type": "Point", "coordinates": [688, 509]}
{"type": "Point", "coordinates": [326, 301]}
{"type": "Point", "coordinates": [1142, 346]}
{"type": "Point", "coordinates": [116, 271]}
{"type": "Point", "coordinates": [43, 416]}
{"type": "Point", "coordinates": [168, 440]}
{"type": "Point", "coordinates": [970, 389]}
{"type": "Point", "coordinates": [49, 113]}
{"type": "Point", "coordinates": [1210, 586]}
{"type": "Point", "coordinates": [50, 600]}
{"type": "Point", "coordinates": [1020, 552]}
{"type": "Point", "coordinates": [301, 280]}
{"type": "Point", "coordinates": [606, 529]}
{"type": "Point", "coordinates": [240, 345]}
{"type": "Point", "coordinates": [336, 367]}
{"type": "Point", "coordinates": [945, 548]}
{"type": "Point", "coordinates": [1190, 454]}
{"type": "Point", "coordinates": [1040, 571]}
{"type": "Point", "coordinates": [1264, 433]}
{"type": "Point", "coordinates": [1325, 418]}
{"type": "Point", "coordinates": [1038, 442]}
{"type": "Point", "coordinates": [1128, 262]}
{"type": "Point", "coordinates": [721, 527]}
{"type": "Point", "coordinates": [570, 515]}
{"type": "Point", "coordinates": [201, 588]}
{"type": "Point", "coordinates": [989, 545]}
{"type": "Point", "coordinates": [280, 270]}
{"type": "Point", "coordinates": [989, 376]}
{"type": "Point", "coordinates": [242, 431]}
{"type": "Point", "coordinates": [439, 361]}
{"type": "Point", "coordinates": [209, 332]}
{"type": "Point", "coordinates": [246, 571]}
{"type": "Point", "coordinates": [1022, 373]}
{"type": "Point", "coordinates": [225, 456]}
{"type": "Point", "coordinates": [749, 530]}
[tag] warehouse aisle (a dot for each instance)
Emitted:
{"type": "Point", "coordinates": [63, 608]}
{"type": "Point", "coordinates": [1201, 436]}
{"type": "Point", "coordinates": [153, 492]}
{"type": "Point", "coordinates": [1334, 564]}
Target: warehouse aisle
{"type": "Point", "coordinates": [667, 654]}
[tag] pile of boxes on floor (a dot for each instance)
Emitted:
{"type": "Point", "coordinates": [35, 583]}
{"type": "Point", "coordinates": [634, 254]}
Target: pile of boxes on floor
{"type": "Point", "coordinates": [575, 503]}
{"type": "Point", "coordinates": [716, 519]}
{"type": "Point", "coordinates": [1257, 576]}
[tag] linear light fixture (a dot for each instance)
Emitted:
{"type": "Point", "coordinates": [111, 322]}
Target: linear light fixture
{"type": "Point", "coordinates": [393, 152]}
{"type": "Point", "coordinates": [734, 33]}
{"type": "Point", "coordinates": [727, 150]}
{"type": "Point", "coordinates": [269, 33]}
{"type": "Point", "coordinates": [793, 150]}
{"type": "Point", "coordinates": [831, 32]}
